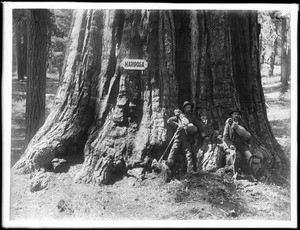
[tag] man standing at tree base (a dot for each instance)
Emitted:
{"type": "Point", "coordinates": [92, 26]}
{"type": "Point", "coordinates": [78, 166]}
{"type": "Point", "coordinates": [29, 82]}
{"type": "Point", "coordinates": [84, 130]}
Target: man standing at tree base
{"type": "Point", "coordinates": [187, 129]}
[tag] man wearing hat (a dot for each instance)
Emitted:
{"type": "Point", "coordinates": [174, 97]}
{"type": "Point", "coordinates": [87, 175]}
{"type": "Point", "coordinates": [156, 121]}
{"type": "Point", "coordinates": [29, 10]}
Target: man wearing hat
{"type": "Point", "coordinates": [187, 127]}
{"type": "Point", "coordinates": [236, 137]}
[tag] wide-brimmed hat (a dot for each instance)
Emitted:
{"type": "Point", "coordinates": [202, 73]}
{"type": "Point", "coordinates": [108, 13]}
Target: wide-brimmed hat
{"type": "Point", "coordinates": [187, 103]}
{"type": "Point", "coordinates": [231, 111]}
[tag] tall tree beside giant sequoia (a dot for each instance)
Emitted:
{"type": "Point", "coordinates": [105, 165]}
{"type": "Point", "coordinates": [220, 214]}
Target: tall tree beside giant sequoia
{"type": "Point", "coordinates": [20, 42]}
{"type": "Point", "coordinates": [111, 119]}
{"type": "Point", "coordinates": [38, 41]}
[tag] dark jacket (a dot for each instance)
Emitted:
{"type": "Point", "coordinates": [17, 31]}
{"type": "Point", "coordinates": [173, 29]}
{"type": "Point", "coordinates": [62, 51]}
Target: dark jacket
{"type": "Point", "coordinates": [229, 134]}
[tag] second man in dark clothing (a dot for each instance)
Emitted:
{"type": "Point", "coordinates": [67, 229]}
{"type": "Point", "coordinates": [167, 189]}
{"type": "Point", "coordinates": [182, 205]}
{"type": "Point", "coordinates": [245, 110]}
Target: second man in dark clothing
{"type": "Point", "coordinates": [188, 126]}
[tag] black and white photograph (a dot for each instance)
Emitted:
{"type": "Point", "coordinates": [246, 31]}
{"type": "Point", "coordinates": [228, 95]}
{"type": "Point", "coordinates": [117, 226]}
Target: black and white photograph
{"type": "Point", "coordinates": [147, 115]}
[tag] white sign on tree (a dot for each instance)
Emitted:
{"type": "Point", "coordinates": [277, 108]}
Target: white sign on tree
{"type": "Point", "coordinates": [134, 64]}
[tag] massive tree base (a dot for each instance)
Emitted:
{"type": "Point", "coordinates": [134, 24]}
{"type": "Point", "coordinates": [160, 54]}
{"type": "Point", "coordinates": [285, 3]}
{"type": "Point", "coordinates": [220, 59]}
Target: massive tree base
{"type": "Point", "coordinates": [113, 119]}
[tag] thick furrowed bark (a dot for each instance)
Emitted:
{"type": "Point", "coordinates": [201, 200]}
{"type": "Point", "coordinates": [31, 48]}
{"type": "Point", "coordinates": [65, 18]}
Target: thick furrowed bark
{"type": "Point", "coordinates": [66, 127]}
{"type": "Point", "coordinates": [117, 117]}
{"type": "Point", "coordinates": [228, 75]}
{"type": "Point", "coordinates": [131, 114]}
{"type": "Point", "coordinates": [36, 71]}
{"type": "Point", "coordinates": [251, 95]}
{"type": "Point", "coordinates": [99, 153]}
{"type": "Point", "coordinates": [212, 84]}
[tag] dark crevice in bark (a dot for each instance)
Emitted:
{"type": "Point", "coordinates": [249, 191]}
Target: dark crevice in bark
{"type": "Point", "coordinates": [161, 35]}
{"type": "Point", "coordinates": [112, 99]}
{"type": "Point", "coordinates": [135, 99]}
{"type": "Point", "coordinates": [209, 74]}
{"type": "Point", "coordinates": [250, 25]}
{"type": "Point", "coordinates": [200, 44]}
{"type": "Point", "coordinates": [120, 25]}
{"type": "Point", "coordinates": [182, 54]}
{"type": "Point", "coordinates": [172, 33]}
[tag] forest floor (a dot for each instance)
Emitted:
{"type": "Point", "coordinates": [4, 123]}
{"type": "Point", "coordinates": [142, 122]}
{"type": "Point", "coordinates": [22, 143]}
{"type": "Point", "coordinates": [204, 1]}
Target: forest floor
{"type": "Point", "coordinates": [203, 197]}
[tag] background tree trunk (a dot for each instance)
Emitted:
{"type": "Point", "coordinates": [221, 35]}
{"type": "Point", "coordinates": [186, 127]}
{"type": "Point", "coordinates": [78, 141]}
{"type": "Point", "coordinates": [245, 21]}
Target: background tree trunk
{"type": "Point", "coordinates": [117, 117]}
{"type": "Point", "coordinates": [14, 50]}
{"type": "Point", "coordinates": [24, 48]}
{"type": "Point", "coordinates": [36, 71]}
{"type": "Point", "coordinates": [273, 58]}
{"type": "Point", "coordinates": [275, 49]}
{"type": "Point", "coordinates": [289, 63]}
{"type": "Point", "coordinates": [285, 63]}
{"type": "Point", "coordinates": [20, 48]}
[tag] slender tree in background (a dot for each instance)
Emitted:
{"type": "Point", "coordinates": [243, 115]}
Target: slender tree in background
{"type": "Point", "coordinates": [274, 50]}
{"type": "Point", "coordinates": [20, 41]}
{"type": "Point", "coordinates": [112, 119]}
{"type": "Point", "coordinates": [38, 40]}
{"type": "Point", "coordinates": [285, 59]}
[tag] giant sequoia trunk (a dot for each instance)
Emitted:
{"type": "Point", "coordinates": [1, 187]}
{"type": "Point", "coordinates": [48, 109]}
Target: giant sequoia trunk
{"type": "Point", "coordinates": [227, 51]}
{"type": "Point", "coordinates": [115, 119]}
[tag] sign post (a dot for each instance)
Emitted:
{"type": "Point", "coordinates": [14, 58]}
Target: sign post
{"type": "Point", "coordinates": [134, 64]}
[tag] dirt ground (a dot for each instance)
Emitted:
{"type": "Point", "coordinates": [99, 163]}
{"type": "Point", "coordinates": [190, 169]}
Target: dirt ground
{"type": "Point", "coordinates": [202, 197]}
